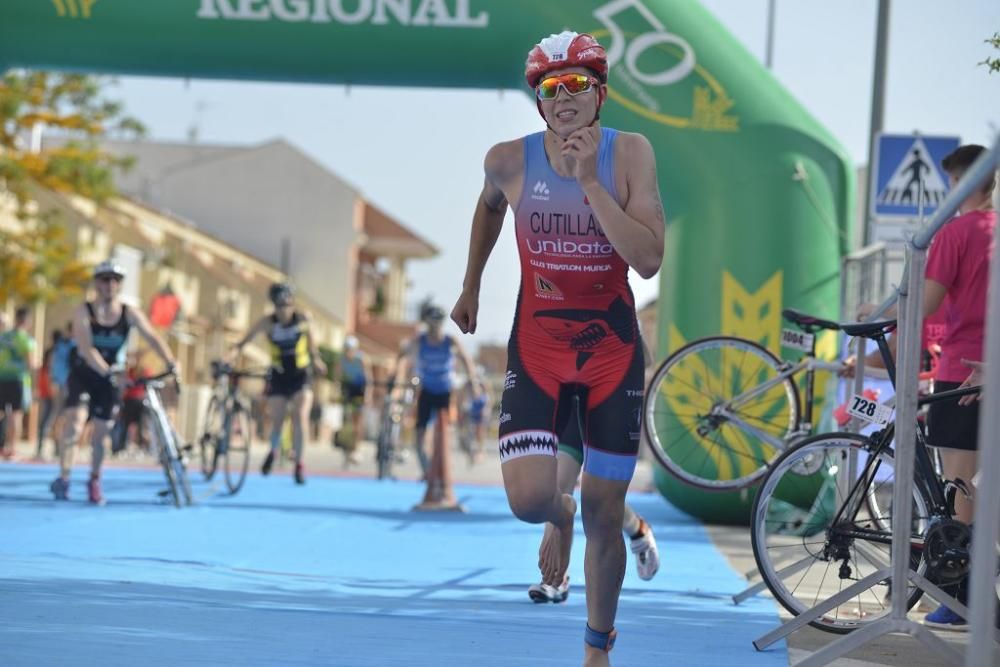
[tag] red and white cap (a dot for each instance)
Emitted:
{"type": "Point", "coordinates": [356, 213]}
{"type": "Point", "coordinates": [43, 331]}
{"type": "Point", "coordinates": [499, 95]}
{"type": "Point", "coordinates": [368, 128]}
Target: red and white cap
{"type": "Point", "coordinates": [567, 49]}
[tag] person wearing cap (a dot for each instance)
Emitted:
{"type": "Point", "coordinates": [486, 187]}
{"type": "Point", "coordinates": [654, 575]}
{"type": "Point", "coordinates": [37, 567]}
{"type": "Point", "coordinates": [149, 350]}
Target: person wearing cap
{"type": "Point", "coordinates": [294, 357]}
{"type": "Point", "coordinates": [353, 372]}
{"type": "Point", "coordinates": [431, 357]}
{"type": "Point", "coordinates": [587, 209]}
{"type": "Point", "coordinates": [101, 328]}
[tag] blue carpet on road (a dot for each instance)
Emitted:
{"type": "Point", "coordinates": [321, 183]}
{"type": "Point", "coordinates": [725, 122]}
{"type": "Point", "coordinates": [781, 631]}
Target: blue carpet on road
{"type": "Point", "coordinates": [338, 572]}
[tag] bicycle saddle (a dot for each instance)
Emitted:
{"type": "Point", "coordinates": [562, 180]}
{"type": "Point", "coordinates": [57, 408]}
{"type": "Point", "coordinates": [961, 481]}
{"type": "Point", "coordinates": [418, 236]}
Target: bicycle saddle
{"type": "Point", "coordinates": [808, 322]}
{"type": "Point", "coordinates": [869, 329]}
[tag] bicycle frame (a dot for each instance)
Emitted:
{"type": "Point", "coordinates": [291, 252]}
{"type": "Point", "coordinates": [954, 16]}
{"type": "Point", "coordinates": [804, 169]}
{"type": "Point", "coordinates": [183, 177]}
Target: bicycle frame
{"type": "Point", "coordinates": [925, 472]}
{"type": "Point", "coordinates": [810, 364]}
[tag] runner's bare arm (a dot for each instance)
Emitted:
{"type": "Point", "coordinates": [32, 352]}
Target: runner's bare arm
{"type": "Point", "coordinates": [257, 328]}
{"type": "Point", "coordinates": [317, 362]}
{"type": "Point", "coordinates": [404, 362]}
{"type": "Point", "coordinates": [636, 231]}
{"type": "Point", "coordinates": [84, 342]}
{"type": "Point", "coordinates": [138, 320]}
{"type": "Point", "coordinates": [487, 221]}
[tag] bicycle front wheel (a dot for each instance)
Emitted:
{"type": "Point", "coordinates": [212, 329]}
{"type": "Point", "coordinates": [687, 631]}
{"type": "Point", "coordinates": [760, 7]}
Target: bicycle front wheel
{"type": "Point", "coordinates": [183, 481]}
{"type": "Point", "coordinates": [814, 534]}
{"type": "Point", "coordinates": [698, 433]}
{"type": "Point", "coordinates": [239, 438]}
{"type": "Point", "coordinates": [384, 446]}
{"type": "Point", "coordinates": [163, 448]}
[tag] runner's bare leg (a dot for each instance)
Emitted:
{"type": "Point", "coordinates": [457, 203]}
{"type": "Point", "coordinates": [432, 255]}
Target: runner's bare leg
{"type": "Point", "coordinates": [604, 564]}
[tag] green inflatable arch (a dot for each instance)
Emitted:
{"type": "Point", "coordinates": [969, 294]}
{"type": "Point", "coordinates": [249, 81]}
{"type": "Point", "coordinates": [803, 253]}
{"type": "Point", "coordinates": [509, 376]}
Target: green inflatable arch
{"type": "Point", "coordinates": [757, 193]}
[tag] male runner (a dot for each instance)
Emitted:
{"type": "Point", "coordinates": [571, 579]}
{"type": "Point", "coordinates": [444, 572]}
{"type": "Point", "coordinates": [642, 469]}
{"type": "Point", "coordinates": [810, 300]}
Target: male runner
{"type": "Point", "coordinates": [354, 373]}
{"type": "Point", "coordinates": [431, 355]}
{"type": "Point", "coordinates": [586, 208]}
{"type": "Point", "coordinates": [293, 357]}
{"type": "Point", "coordinates": [101, 329]}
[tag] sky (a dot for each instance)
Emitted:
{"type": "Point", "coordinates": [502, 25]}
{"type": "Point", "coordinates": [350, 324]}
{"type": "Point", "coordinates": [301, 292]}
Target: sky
{"type": "Point", "coordinates": [417, 153]}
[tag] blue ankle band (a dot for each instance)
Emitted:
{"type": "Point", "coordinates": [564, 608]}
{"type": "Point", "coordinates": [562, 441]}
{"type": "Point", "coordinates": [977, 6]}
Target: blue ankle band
{"type": "Point", "coordinates": [601, 640]}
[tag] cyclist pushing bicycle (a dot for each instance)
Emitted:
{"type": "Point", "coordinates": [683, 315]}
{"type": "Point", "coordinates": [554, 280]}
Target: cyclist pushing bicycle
{"type": "Point", "coordinates": [294, 357]}
{"type": "Point", "coordinates": [101, 329]}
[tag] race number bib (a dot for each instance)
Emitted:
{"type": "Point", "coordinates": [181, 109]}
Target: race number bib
{"type": "Point", "coordinates": [797, 340]}
{"type": "Point", "coordinates": [868, 410]}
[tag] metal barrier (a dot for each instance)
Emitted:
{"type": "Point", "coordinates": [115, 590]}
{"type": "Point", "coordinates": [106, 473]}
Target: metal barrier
{"type": "Point", "coordinates": [986, 522]}
{"type": "Point", "coordinates": [910, 298]}
{"type": "Point", "coordinates": [864, 278]}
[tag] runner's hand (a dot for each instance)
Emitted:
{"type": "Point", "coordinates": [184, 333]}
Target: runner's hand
{"type": "Point", "coordinates": [465, 312]}
{"type": "Point", "coordinates": [975, 379]}
{"type": "Point", "coordinates": [582, 147]}
{"type": "Point", "coordinates": [319, 367]}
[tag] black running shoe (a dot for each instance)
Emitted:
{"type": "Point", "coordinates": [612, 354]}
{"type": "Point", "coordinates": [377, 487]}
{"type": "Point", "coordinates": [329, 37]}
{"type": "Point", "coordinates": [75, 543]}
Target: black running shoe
{"type": "Point", "coordinates": [268, 463]}
{"type": "Point", "coordinates": [300, 475]}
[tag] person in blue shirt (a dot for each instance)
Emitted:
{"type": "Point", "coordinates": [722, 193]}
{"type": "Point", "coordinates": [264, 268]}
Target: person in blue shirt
{"type": "Point", "coordinates": [354, 372]}
{"type": "Point", "coordinates": [431, 357]}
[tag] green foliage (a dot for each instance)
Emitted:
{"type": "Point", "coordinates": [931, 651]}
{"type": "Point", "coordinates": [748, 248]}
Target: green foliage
{"type": "Point", "coordinates": [993, 63]}
{"type": "Point", "coordinates": [36, 261]}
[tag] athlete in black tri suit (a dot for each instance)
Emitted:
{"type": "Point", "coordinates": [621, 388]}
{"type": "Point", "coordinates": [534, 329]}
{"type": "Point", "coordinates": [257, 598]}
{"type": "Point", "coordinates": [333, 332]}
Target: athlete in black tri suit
{"type": "Point", "coordinates": [101, 329]}
{"type": "Point", "coordinates": [294, 357]}
{"type": "Point", "coordinates": [586, 209]}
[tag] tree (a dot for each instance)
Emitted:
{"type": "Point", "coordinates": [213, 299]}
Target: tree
{"type": "Point", "coordinates": [993, 63]}
{"type": "Point", "coordinates": [36, 260]}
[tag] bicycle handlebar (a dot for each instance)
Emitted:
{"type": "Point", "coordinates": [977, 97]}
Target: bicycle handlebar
{"type": "Point", "coordinates": [144, 381]}
{"type": "Point", "coordinates": [946, 395]}
{"type": "Point", "coordinates": [221, 368]}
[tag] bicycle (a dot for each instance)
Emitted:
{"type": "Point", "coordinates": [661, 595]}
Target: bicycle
{"type": "Point", "coordinates": [228, 434]}
{"type": "Point", "coordinates": [394, 409]}
{"type": "Point", "coordinates": [721, 409]}
{"type": "Point", "coordinates": [825, 504]}
{"type": "Point", "coordinates": [164, 439]}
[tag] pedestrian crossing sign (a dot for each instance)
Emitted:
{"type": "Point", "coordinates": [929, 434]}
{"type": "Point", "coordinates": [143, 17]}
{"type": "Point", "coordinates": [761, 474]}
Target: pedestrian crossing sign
{"type": "Point", "coordinates": [909, 179]}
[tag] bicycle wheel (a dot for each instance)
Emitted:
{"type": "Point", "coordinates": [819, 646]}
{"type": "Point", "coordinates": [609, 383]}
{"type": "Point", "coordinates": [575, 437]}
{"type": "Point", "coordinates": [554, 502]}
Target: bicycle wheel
{"type": "Point", "coordinates": [183, 481]}
{"type": "Point", "coordinates": [689, 434]}
{"type": "Point", "coordinates": [239, 439]}
{"type": "Point", "coordinates": [162, 446]}
{"type": "Point", "coordinates": [209, 442]}
{"type": "Point", "coordinates": [812, 538]}
{"type": "Point", "coordinates": [383, 452]}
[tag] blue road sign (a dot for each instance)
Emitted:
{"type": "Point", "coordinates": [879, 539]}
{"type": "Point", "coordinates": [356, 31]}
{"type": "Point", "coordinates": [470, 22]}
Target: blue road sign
{"type": "Point", "coordinates": [906, 166]}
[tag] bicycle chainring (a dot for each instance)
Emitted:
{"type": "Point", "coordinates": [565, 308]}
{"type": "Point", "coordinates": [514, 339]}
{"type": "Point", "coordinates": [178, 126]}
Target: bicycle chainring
{"type": "Point", "coordinates": [946, 550]}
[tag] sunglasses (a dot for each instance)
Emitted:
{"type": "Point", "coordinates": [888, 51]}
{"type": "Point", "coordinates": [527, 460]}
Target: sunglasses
{"type": "Point", "coordinates": [574, 84]}
{"type": "Point", "coordinates": [109, 279]}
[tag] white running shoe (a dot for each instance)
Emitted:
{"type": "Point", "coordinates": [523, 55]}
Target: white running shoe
{"type": "Point", "coordinates": [647, 557]}
{"type": "Point", "coordinates": [542, 593]}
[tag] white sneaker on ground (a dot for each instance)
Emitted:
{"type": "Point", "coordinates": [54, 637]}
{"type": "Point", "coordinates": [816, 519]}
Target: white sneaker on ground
{"type": "Point", "coordinates": [647, 556]}
{"type": "Point", "coordinates": [542, 593]}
